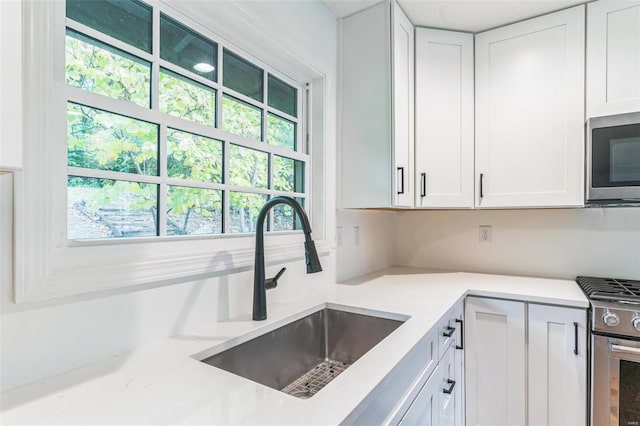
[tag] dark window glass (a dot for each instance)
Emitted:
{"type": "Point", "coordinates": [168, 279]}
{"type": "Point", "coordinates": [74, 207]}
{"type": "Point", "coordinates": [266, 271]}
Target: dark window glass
{"type": "Point", "coordinates": [188, 49]}
{"type": "Point", "coordinates": [629, 403]}
{"type": "Point", "coordinates": [242, 76]}
{"type": "Point", "coordinates": [282, 96]}
{"type": "Point", "coordinates": [127, 20]}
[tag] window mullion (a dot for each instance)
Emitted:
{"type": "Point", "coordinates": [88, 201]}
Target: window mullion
{"type": "Point", "coordinates": [265, 82]}
{"type": "Point", "coordinates": [219, 92]}
{"type": "Point", "coordinates": [226, 196]}
{"type": "Point", "coordinates": [164, 190]}
{"type": "Point", "coordinates": [155, 68]}
{"type": "Point", "coordinates": [270, 185]}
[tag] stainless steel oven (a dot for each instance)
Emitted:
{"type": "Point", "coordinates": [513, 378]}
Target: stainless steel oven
{"type": "Point", "coordinates": [615, 350]}
{"type": "Point", "coordinates": [613, 159]}
{"type": "Point", "coordinates": [616, 381]}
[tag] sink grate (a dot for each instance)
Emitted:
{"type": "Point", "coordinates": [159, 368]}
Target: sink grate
{"type": "Point", "coordinates": [310, 383]}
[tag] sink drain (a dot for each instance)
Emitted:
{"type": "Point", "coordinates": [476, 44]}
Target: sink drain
{"type": "Point", "coordinates": [311, 382]}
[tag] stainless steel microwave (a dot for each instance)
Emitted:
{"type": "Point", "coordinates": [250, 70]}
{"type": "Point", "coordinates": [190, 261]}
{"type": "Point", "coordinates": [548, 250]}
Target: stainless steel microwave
{"type": "Point", "coordinates": [613, 159]}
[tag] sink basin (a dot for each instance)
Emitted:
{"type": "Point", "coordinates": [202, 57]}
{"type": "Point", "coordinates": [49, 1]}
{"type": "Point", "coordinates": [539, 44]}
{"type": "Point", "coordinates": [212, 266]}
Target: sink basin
{"type": "Point", "coordinates": [302, 357]}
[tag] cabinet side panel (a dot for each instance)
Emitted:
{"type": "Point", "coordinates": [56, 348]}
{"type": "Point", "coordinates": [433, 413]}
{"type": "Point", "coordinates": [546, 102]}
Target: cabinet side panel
{"type": "Point", "coordinates": [366, 109]}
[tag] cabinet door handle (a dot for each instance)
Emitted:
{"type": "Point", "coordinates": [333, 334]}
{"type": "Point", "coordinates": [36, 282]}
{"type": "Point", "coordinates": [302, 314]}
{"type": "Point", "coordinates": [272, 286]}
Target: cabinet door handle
{"type": "Point", "coordinates": [423, 184]}
{"type": "Point", "coordinates": [481, 185]}
{"type": "Point", "coordinates": [452, 384]}
{"type": "Point", "coordinates": [401, 170]}
{"type": "Point", "coordinates": [449, 331]}
{"type": "Point", "coordinates": [461, 345]}
{"type": "Point", "coordinates": [575, 330]}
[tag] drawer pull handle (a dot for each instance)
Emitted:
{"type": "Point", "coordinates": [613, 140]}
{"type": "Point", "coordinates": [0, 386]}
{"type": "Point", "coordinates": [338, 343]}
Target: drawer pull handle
{"type": "Point", "coordinates": [449, 331]}
{"type": "Point", "coordinates": [452, 384]}
{"type": "Point", "coordinates": [575, 348]}
{"type": "Point", "coordinates": [461, 345]}
{"type": "Point", "coordinates": [401, 180]}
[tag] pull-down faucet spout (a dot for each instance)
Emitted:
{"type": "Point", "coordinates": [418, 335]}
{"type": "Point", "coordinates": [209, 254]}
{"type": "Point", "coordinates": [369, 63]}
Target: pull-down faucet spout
{"type": "Point", "coordinates": [310, 253]}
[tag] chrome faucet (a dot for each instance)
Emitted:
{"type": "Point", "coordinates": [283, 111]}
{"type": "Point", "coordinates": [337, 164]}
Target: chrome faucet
{"type": "Point", "coordinates": [260, 284]}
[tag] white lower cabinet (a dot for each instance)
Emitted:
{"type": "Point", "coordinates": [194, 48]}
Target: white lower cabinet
{"type": "Point", "coordinates": [437, 397]}
{"type": "Point", "coordinates": [495, 367]}
{"type": "Point", "coordinates": [424, 410]}
{"type": "Point", "coordinates": [518, 364]}
{"type": "Point", "coordinates": [557, 355]}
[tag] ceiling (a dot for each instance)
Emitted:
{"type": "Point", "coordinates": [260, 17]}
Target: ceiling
{"type": "Point", "coordinates": [461, 15]}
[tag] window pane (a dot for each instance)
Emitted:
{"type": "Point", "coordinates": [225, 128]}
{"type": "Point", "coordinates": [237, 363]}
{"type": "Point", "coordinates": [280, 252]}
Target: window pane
{"type": "Point", "coordinates": [128, 21]}
{"type": "Point", "coordinates": [187, 49]}
{"type": "Point", "coordinates": [99, 68]}
{"type": "Point", "coordinates": [98, 139]}
{"type": "Point", "coordinates": [242, 76]}
{"type": "Point", "coordinates": [283, 217]}
{"type": "Point", "coordinates": [187, 99]}
{"type": "Point", "coordinates": [244, 209]}
{"type": "Point", "coordinates": [281, 132]}
{"type": "Point", "coordinates": [288, 174]}
{"type": "Point", "coordinates": [193, 157]}
{"type": "Point", "coordinates": [248, 167]}
{"type": "Point", "coordinates": [282, 96]}
{"type": "Point", "coordinates": [194, 211]}
{"type": "Point", "coordinates": [103, 208]}
{"type": "Point", "coordinates": [241, 118]}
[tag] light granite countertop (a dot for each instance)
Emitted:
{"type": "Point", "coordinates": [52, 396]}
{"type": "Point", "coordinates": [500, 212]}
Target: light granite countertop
{"type": "Point", "coordinates": [164, 384]}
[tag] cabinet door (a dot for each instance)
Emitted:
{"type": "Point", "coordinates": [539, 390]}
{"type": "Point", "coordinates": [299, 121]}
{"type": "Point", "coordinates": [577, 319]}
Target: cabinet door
{"type": "Point", "coordinates": [403, 108]}
{"type": "Point", "coordinates": [557, 374]}
{"type": "Point", "coordinates": [495, 362]}
{"type": "Point", "coordinates": [530, 112]}
{"type": "Point", "coordinates": [448, 387]}
{"type": "Point", "coordinates": [613, 57]}
{"type": "Point", "coordinates": [444, 119]}
{"type": "Point", "coordinates": [424, 409]}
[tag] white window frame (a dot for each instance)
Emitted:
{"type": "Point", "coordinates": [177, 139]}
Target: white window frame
{"type": "Point", "coordinates": [49, 266]}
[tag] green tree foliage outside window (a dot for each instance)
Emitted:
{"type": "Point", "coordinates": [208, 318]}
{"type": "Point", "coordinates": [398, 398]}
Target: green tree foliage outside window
{"type": "Point", "coordinates": [127, 151]}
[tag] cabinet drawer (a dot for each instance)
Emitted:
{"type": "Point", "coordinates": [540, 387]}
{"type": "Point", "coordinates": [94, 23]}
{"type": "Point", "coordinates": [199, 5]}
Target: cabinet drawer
{"type": "Point", "coordinates": [424, 409]}
{"type": "Point", "coordinates": [450, 328]}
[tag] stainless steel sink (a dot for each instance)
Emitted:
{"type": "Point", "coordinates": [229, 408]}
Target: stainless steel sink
{"type": "Point", "coordinates": [300, 358]}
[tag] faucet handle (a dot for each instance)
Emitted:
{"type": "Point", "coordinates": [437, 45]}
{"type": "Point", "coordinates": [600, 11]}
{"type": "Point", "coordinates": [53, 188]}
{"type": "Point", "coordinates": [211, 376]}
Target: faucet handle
{"type": "Point", "coordinates": [270, 283]}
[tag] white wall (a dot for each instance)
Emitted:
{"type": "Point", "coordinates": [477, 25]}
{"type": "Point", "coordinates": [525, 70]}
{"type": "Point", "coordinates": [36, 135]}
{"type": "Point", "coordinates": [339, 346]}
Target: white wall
{"type": "Point", "coordinates": [43, 339]}
{"type": "Point", "coordinates": [559, 243]}
{"type": "Point", "coordinates": [374, 249]}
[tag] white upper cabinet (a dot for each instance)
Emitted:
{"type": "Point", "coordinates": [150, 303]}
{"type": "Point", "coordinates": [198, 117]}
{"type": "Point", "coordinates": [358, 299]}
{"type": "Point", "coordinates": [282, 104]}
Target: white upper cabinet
{"type": "Point", "coordinates": [530, 112]}
{"type": "Point", "coordinates": [444, 119]}
{"type": "Point", "coordinates": [613, 57]}
{"type": "Point", "coordinates": [377, 108]}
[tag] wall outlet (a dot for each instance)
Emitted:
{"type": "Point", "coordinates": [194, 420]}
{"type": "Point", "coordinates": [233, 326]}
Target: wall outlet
{"type": "Point", "coordinates": [339, 236]}
{"type": "Point", "coordinates": [485, 233]}
{"type": "Point", "coordinates": [356, 235]}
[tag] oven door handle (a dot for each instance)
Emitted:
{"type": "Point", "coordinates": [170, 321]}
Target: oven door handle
{"type": "Point", "coordinates": [625, 349]}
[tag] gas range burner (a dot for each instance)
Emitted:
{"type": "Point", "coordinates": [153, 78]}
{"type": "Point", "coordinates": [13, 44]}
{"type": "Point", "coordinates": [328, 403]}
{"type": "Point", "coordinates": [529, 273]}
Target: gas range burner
{"type": "Point", "coordinates": [615, 305]}
{"type": "Point", "coordinates": [610, 289]}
